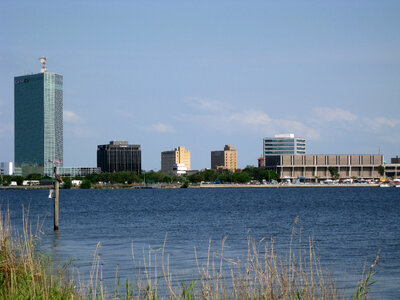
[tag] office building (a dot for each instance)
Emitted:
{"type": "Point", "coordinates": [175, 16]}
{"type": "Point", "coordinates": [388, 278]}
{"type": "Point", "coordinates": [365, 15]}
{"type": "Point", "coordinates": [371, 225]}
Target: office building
{"type": "Point", "coordinates": [119, 156]}
{"type": "Point", "coordinates": [316, 167]}
{"type": "Point", "coordinates": [6, 168]}
{"type": "Point", "coordinates": [77, 171]}
{"type": "Point", "coordinates": [284, 144]}
{"type": "Point", "coordinates": [176, 161]}
{"type": "Point", "coordinates": [395, 160]}
{"type": "Point", "coordinates": [224, 159]}
{"type": "Point", "coordinates": [392, 170]}
{"type": "Point", "coordinates": [38, 123]}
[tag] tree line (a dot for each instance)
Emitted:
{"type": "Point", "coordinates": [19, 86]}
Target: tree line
{"type": "Point", "coordinates": [215, 176]}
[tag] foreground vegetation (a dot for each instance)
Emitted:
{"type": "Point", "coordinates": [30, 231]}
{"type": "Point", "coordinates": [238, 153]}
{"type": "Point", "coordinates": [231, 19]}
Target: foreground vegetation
{"type": "Point", "coordinates": [25, 273]}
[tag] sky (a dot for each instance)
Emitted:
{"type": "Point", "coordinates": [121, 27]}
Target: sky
{"type": "Point", "coordinates": [203, 74]}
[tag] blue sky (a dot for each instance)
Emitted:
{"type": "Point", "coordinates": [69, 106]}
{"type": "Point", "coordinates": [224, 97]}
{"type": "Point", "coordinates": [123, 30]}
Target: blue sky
{"type": "Point", "coordinates": [202, 74]}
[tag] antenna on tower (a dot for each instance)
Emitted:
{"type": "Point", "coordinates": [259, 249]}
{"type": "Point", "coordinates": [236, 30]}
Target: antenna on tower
{"type": "Point", "coordinates": [43, 61]}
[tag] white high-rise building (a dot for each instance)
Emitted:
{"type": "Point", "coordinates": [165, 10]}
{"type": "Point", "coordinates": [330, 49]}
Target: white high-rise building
{"type": "Point", "coordinates": [7, 168]}
{"type": "Point", "coordinates": [283, 144]}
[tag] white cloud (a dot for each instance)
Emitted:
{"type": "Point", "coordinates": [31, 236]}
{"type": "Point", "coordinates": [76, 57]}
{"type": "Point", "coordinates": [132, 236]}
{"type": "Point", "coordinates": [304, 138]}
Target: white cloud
{"type": "Point", "coordinates": [378, 123]}
{"type": "Point", "coordinates": [387, 122]}
{"type": "Point", "coordinates": [251, 117]}
{"type": "Point", "coordinates": [162, 128]}
{"type": "Point", "coordinates": [206, 104]}
{"type": "Point", "coordinates": [71, 117]}
{"type": "Point", "coordinates": [252, 121]}
{"type": "Point", "coordinates": [334, 114]}
{"type": "Point", "coordinates": [298, 128]}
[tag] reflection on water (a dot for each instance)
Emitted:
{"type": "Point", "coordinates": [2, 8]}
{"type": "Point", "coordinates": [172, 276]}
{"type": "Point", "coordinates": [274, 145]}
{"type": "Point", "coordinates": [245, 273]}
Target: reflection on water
{"type": "Point", "coordinates": [348, 226]}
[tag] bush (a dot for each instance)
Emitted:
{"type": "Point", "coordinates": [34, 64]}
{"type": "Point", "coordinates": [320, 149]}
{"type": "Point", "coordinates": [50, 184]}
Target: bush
{"type": "Point", "coordinates": [86, 184]}
{"type": "Point", "coordinates": [67, 183]}
{"type": "Point", "coordinates": [185, 185]}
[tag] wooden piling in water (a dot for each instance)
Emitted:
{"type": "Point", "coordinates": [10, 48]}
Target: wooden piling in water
{"type": "Point", "coordinates": [56, 203]}
{"type": "Point", "coordinates": [57, 182]}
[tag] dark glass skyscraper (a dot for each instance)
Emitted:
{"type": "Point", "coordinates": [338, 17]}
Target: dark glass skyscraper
{"type": "Point", "coordinates": [119, 156]}
{"type": "Point", "coordinates": [38, 123]}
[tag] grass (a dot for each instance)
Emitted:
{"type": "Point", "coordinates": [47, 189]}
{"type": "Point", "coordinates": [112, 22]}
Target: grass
{"type": "Point", "coordinates": [26, 273]}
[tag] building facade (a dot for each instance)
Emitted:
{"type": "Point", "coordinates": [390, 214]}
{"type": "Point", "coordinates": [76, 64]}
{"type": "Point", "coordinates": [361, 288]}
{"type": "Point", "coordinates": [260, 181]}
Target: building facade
{"type": "Point", "coordinates": [315, 167]}
{"type": "Point", "coordinates": [38, 123]}
{"type": "Point", "coordinates": [119, 156]}
{"type": "Point", "coordinates": [6, 168]}
{"type": "Point", "coordinates": [175, 160]}
{"type": "Point", "coordinates": [225, 159]}
{"type": "Point", "coordinates": [284, 144]}
{"type": "Point", "coordinates": [395, 160]}
{"type": "Point", "coordinates": [392, 170]}
{"type": "Point", "coordinates": [77, 171]}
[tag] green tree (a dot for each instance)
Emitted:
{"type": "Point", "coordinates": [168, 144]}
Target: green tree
{"type": "Point", "coordinates": [34, 176]}
{"type": "Point", "coordinates": [271, 175]}
{"type": "Point", "coordinates": [334, 172]}
{"type": "Point", "coordinates": [381, 170]}
{"type": "Point", "coordinates": [167, 179]}
{"type": "Point", "coordinates": [185, 185]}
{"type": "Point", "coordinates": [178, 178]}
{"type": "Point", "coordinates": [67, 183]}
{"type": "Point", "coordinates": [260, 174]}
{"type": "Point", "coordinates": [224, 177]}
{"type": "Point", "coordinates": [18, 179]}
{"type": "Point", "coordinates": [210, 175]}
{"type": "Point", "coordinates": [198, 177]}
{"type": "Point", "coordinates": [241, 177]}
{"type": "Point", "coordinates": [86, 184]}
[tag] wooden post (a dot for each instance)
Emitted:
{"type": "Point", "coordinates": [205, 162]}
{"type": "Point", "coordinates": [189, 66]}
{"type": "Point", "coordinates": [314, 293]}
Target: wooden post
{"type": "Point", "coordinates": [57, 182]}
{"type": "Point", "coordinates": [56, 203]}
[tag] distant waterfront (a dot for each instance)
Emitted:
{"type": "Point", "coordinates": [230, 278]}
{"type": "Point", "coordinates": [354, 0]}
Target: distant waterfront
{"type": "Point", "coordinates": [208, 185]}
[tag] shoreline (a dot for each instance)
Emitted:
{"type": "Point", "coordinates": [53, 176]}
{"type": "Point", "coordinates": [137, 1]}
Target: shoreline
{"type": "Point", "coordinates": [201, 186]}
{"type": "Point", "coordinates": [287, 185]}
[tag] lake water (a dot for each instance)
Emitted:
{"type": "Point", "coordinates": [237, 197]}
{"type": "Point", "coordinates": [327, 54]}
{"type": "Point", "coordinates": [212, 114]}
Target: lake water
{"type": "Point", "coordinates": [348, 225]}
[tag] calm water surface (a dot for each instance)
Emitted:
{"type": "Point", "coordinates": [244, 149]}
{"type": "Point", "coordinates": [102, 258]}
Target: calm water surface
{"type": "Point", "coordinates": [348, 225]}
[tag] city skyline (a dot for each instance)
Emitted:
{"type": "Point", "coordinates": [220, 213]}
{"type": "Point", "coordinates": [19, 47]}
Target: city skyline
{"type": "Point", "coordinates": [207, 74]}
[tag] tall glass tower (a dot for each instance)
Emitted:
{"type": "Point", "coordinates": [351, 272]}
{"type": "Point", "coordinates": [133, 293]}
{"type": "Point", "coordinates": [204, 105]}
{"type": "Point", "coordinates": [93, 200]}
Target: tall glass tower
{"type": "Point", "coordinates": [38, 123]}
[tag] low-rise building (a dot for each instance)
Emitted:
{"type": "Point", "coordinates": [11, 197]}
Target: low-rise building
{"type": "Point", "coordinates": [175, 160]}
{"type": "Point", "coordinates": [77, 171]}
{"type": "Point", "coordinates": [179, 169]}
{"type": "Point", "coordinates": [76, 182]}
{"type": "Point", "coordinates": [392, 170]}
{"type": "Point", "coordinates": [224, 159]}
{"type": "Point", "coordinates": [314, 167]}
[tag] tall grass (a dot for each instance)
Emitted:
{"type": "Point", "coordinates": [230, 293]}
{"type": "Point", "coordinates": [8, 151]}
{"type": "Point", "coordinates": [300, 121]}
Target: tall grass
{"type": "Point", "coordinates": [26, 273]}
{"type": "Point", "coordinates": [263, 273]}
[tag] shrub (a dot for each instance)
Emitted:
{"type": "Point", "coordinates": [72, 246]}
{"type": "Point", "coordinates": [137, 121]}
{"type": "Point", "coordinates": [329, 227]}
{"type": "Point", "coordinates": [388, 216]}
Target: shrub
{"type": "Point", "coordinates": [86, 184]}
{"type": "Point", "coordinates": [67, 183]}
